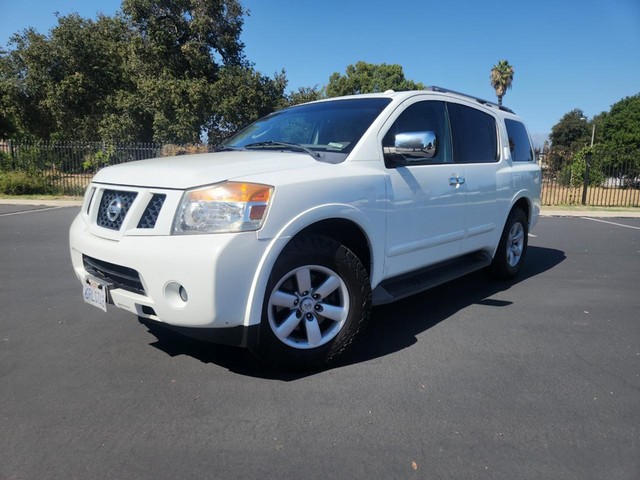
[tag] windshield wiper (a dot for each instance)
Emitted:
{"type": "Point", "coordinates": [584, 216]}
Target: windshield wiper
{"type": "Point", "coordinates": [284, 145]}
{"type": "Point", "coordinates": [224, 148]}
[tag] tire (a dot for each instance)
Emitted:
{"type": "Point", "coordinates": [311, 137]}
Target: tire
{"type": "Point", "coordinates": [317, 300]}
{"type": "Point", "coordinates": [512, 249]}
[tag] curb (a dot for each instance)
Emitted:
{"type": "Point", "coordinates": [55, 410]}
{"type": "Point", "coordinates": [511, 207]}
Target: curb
{"type": "Point", "coordinates": [549, 212]}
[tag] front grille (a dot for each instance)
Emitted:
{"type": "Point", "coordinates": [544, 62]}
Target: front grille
{"type": "Point", "coordinates": [150, 215]}
{"type": "Point", "coordinates": [114, 207]}
{"type": "Point", "coordinates": [121, 277]}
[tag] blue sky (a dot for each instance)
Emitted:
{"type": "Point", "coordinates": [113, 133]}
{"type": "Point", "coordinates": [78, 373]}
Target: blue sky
{"type": "Point", "coordinates": [566, 53]}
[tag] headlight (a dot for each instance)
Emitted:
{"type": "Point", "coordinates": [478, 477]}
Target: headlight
{"type": "Point", "coordinates": [225, 207]}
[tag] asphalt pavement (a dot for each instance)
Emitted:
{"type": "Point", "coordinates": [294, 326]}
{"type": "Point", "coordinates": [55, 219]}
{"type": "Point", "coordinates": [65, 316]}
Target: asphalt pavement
{"type": "Point", "coordinates": [538, 378]}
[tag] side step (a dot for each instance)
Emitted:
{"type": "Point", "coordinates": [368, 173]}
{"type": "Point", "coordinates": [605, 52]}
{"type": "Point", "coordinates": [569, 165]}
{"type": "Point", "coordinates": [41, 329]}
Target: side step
{"type": "Point", "coordinates": [411, 283]}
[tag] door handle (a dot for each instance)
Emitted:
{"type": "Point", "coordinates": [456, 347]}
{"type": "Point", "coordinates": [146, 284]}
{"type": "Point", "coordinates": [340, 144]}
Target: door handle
{"type": "Point", "coordinates": [456, 181]}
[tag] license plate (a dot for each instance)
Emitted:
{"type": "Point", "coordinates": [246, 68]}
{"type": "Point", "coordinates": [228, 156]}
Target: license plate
{"type": "Point", "coordinates": [95, 293]}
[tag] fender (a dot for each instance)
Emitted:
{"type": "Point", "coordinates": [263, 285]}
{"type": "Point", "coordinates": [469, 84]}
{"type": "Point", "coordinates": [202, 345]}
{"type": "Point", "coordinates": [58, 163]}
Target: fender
{"type": "Point", "coordinates": [371, 226]}
{"type": "Point", "coordinates": [533, 203]}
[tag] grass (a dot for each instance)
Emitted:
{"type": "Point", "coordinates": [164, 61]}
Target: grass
{"type": "Point", "coordinates": [39, 197]}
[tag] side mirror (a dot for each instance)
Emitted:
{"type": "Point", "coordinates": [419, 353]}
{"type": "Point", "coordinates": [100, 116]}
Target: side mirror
{"type": "Point", "coordinates": [414, 146]}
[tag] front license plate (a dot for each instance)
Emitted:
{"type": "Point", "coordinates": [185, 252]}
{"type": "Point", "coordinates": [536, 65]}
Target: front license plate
{"type": "Point", "coordinates": [95, 293]}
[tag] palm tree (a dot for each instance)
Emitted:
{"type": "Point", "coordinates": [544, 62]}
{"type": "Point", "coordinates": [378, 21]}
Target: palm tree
{"type": "Point", "coordinates": [501, 78]}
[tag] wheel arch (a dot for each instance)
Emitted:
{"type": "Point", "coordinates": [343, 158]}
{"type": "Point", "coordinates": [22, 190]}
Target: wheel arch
{"type": "Point", "coordinates": [342, 223]}
{"type": "Point", "coordinates": [529, 203]}
{"type": "Point", "coordinates": [346, 232]}
{"type": "Point", "coordinates": [523, 204]}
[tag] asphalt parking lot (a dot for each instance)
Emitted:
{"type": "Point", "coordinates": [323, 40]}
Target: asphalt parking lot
{"type": "Point", "coordinates": [533, 379]}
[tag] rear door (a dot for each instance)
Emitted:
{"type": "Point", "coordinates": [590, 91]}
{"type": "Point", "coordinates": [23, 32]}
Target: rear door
{"type": "Point", "coordinates": [486, 180]}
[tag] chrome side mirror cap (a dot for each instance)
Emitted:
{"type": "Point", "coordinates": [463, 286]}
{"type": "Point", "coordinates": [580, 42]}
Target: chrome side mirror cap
{"type": "Point", "coordinates": [414, 146]}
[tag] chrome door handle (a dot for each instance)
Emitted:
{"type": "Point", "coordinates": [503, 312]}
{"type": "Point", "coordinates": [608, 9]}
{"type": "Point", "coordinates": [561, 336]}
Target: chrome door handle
{"type": "Point", "coordinates": [456, 181]}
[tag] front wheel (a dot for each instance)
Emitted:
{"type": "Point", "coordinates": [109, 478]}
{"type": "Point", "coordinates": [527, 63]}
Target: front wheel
{"type": "Point", "coordinates": [317, 300]}
{"type": "Point", "coordinates": [512, 249]}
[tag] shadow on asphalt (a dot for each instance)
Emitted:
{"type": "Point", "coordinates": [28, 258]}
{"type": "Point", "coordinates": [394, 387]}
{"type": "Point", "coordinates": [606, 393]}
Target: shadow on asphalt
{"type": "Point", "coordinates": [393, 327]}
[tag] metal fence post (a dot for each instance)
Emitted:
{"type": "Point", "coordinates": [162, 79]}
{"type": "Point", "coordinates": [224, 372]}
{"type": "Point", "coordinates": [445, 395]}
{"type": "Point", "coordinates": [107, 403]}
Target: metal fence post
{"type": "Point", "coordinates": [586, 178]}
{"type": "Point", "coordinates": [13, 157]}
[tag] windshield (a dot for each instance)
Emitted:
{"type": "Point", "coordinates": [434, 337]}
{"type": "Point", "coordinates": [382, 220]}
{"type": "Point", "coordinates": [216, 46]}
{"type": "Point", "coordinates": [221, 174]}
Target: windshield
{"type": "Point", "coordinates": [334, 126]}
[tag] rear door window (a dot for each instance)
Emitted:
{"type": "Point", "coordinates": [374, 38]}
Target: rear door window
{"type": "Point", "coordinates": [474, 135]}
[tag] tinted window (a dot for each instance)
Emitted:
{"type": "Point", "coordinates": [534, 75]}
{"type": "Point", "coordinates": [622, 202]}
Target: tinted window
{"type": "Point", "coordinates": [424, 117]}
{"type": "Point", "coordinates": [519, 144]}
{"type": "Point", "coordinates": [474, 135]}
{"type": "Point", "coordinates": [333, 126]}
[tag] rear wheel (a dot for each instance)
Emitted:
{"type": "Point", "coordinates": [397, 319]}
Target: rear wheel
{"type": "Point", "coordinates": [317, 300]}
{"type": "Point", "coordinates": [512, 249]}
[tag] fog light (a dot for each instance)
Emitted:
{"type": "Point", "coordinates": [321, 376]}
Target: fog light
{"type": "Point", "coordinates": [183, 294]}
{"type": "Point", "coordinates": [176, 295]}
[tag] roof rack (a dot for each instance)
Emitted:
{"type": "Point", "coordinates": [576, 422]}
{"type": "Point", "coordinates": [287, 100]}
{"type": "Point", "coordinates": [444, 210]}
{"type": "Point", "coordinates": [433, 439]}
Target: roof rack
{"type": "Point", "coordinates": [433, 88]}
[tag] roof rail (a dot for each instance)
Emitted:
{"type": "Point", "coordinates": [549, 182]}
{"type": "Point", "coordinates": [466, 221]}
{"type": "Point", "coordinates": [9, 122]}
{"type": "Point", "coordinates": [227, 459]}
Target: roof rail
{"type": "Point", "coordinates": [434, 88]}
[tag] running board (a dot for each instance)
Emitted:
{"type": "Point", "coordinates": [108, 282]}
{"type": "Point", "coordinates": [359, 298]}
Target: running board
{"type": "Point", "coordinates": [411, 283]}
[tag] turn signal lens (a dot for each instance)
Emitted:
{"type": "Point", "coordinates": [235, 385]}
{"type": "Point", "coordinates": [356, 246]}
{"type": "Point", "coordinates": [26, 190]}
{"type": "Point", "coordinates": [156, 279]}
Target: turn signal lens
{"type": "Point", "coordinates": [233, 192]}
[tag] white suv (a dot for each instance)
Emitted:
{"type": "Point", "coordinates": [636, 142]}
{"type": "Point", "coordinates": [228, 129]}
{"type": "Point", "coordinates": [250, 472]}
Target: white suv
{"type": "Point", "coordinates": [283, 238]}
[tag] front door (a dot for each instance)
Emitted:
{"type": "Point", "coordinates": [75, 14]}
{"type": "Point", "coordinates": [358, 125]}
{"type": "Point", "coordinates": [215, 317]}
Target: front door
{"type": "Point", "coordinates": [425, 213]}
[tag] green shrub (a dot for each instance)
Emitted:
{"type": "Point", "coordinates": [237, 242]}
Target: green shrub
{"type": "Point", "coordinates": [22, 183]}
{"type": "Point", "coordinates": [5, 161]}
{"type": "Point", "coordinates": [100, 159]}
{"type": "Point", "coordinates": [572, 174]}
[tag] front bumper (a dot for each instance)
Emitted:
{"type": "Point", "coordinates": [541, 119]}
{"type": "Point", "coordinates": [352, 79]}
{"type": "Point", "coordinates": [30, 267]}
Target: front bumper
{"type": "Point", "coordinates": [217, 272]}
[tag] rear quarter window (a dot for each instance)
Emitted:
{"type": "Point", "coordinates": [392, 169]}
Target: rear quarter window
{"type": "Point", "coordinates": [519, 143]}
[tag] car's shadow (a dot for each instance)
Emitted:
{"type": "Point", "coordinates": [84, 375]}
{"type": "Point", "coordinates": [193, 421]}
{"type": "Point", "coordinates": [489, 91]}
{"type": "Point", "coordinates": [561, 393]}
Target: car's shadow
{"type": "Point", "coordinates": [392, 328]}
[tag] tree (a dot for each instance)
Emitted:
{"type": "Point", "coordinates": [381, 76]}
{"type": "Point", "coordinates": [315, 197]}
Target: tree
{"type": "Point", "coordinates": [620, 128]}
{"type": "Point", "coordinates": [186, 38]}
{"type": "Point", "coordinates": [241, 96]}
{"type": "Point", "coordinates": [572, 131]}
{"type": "Point", "coordinates": [24, 88]}
{"type": "Point", "coordinates": [616, 137]}
{"type": "Point", "coordinates": [9, 114]}
{"type": "Point", "coordinates": [369, 78]}
{"type": "Point", "coordinates": [178, 50]}
{"type": "Point", "coordinates": [302, 95]}
{"type": "Point", "coordinates": [568, 136]}
{"type": "Point", "coordinates": [501, 78]}
{"type": "Point", "coordinates": [85, 70]}
{"type": "Point", "coordinates": [148, 73]}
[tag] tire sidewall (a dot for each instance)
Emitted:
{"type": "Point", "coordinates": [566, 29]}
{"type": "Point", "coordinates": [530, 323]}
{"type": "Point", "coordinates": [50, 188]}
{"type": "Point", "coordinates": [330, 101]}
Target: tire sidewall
{"type": "Point", "coordinates": [500, 267]}
{"type": "Point", "coordinates": [325, 252]}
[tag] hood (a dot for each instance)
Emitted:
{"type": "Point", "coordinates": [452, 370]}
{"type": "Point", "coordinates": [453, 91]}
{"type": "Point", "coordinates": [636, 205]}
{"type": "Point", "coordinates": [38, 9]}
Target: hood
{"type": "Point", "coordinates": [188, 171]}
